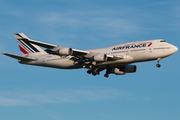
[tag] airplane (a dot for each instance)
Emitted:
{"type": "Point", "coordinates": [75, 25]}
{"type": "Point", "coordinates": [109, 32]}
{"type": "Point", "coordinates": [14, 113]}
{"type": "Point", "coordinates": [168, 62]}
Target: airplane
{"type": "Point", "coordinates": [115, 59]}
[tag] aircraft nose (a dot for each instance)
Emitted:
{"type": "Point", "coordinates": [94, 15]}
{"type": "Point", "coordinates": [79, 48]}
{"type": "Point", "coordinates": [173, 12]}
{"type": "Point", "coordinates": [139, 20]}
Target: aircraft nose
{"type": "Point", "coordinates": [175, 49]}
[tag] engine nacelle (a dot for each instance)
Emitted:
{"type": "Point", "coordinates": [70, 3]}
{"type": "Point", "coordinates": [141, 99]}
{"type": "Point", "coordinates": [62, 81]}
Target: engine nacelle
{"type": "Point", "coordinates": [125, 69]}
{"type": "Point", "coordinates": [118, 72]}
{"type": "Point", "coordinates": [65, 51]}
{"type": "Point", "coordinates": [100, 58]}
{"type": "Point", "coordinates": [130, 68]}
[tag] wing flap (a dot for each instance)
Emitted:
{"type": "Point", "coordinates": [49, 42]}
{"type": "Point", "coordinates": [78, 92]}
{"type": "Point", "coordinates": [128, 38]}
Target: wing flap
{"type": "Point", "coordinates": [19, 57]}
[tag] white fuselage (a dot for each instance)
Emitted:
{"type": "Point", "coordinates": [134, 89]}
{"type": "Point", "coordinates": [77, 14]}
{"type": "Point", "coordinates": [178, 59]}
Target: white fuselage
{"type": "Point", "coordinates": [130, 52]}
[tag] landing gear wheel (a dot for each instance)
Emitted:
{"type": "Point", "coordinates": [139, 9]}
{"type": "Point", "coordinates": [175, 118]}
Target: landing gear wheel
{"type": "Point", "coordinates": [93, 73]}
{"type": "Point", "coordinates": [89, 72]}
{"type": "Point", "coordinates": [97, 72]}
{"type": "Point", "coordinates": [106, 75]}
{"type": "Point", "coordinates": [158, 65]}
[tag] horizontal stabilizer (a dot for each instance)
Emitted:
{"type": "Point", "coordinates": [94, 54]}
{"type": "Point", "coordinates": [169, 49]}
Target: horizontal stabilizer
{"type": "Point", "coordinates": [19, 57]}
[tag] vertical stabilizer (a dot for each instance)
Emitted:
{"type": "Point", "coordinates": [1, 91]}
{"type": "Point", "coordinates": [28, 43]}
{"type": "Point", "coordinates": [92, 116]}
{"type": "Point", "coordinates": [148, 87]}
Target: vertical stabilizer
{"type": "Point", "coordinates": [26, 47]}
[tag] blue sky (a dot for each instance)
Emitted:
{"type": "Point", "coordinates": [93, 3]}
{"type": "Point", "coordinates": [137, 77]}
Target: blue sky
{"type": "Point", "coordinates": [33, 93]}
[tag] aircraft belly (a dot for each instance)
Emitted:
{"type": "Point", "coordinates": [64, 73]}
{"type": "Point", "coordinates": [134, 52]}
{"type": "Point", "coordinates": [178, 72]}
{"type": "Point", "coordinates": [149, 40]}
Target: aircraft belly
{"type": "Point", "coordinates": [141, 57]}
{"type": "Point", "coordinates": [61, 63]}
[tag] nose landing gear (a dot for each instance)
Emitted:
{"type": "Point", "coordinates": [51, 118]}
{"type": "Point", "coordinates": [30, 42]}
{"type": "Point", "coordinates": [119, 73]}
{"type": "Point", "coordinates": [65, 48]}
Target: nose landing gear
{"type": "Point", "coordinates": [158, 65]}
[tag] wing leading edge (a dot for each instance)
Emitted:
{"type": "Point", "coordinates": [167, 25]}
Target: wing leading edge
{"type": "Point", "coordinates": [50, 46]}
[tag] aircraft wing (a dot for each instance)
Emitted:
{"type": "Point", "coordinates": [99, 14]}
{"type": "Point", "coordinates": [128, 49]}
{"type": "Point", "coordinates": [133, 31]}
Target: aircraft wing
{"type": "Point", "coordinates": [45, 45]}
{"type": "Point", "coordinates": [78, 54]}
{"type": "Point", "coordinates": [50, 46]}
{"type": "Point", "coordinates": [19, 57]}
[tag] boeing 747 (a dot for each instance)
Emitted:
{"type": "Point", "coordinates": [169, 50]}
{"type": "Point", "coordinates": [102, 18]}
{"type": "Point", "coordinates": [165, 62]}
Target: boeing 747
{"type": "Point", "coordinates": [115, 59]}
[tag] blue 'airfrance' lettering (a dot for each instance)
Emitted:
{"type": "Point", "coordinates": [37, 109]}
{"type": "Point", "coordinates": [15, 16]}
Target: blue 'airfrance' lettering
{"type": "Point", "coordinates": [129, 46]}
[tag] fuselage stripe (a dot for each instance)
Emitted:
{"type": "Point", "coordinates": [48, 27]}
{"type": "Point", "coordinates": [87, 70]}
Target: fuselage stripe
{"type": "Point", "coordinates": [149, 44]}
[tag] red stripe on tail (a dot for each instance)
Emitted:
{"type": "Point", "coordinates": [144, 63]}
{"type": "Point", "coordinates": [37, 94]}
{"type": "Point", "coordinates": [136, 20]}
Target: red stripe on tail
{"type": "Point", "coordinates": [23, 50]}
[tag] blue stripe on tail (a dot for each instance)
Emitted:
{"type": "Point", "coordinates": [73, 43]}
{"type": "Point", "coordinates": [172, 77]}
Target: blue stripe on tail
{"type": "Point", "coordinates": [28, 45]}
{"type": "Point", "coordinates": [25, 46]}
{"type": "Point", "coordinates": [32, 47]}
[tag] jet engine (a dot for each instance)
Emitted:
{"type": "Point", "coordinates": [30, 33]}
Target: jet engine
{"type": "Point", "coordinates": [65, 51]}
{"type": "Point", "coordinates": [125, 69]}
{"type": "Point", "coordinates": [130, 68]}
{"type": "Point", "coordinates": [100, 58]}
{"type": "Point", "coordinates": [118, 72]}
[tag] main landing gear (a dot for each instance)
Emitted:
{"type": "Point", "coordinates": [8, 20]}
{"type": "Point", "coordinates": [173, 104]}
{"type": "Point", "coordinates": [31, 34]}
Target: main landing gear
{"type": "Point", "coordinates": [97, 72]}
{"type": "Point", "coordinates": [158, 65]}
{"type": "Point", "coordinates": [94, 70]}
{"type": "Point", "coordinates": [107, 73]}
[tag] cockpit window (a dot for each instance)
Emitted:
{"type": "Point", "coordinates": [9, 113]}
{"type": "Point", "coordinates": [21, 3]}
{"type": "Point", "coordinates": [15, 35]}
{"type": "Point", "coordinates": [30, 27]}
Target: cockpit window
{"type": "Point", "coordinates": [162, 41]}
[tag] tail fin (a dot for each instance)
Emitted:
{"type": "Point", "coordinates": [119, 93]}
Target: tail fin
{"type": "Point", "coordinates": [26, 47]}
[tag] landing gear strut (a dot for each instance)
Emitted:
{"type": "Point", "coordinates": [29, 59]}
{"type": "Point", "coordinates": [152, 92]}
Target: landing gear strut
{"type": "Point", "coordinates": [158, 65]}
{"type": "Point", "coordinates": [107, 73]}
